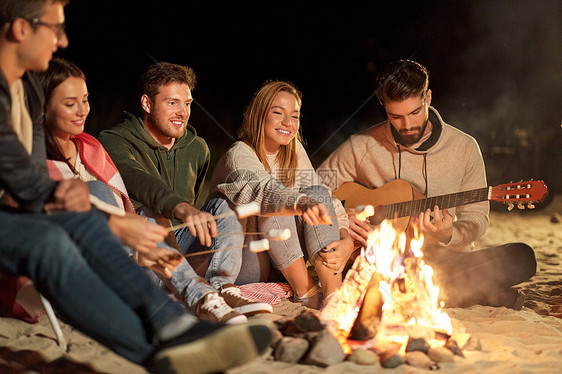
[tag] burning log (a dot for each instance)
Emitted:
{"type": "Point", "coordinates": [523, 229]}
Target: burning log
{"type": "Point", "coordinates": [370, 314]}
{"type": "Point", "coordinates": [342, 309]}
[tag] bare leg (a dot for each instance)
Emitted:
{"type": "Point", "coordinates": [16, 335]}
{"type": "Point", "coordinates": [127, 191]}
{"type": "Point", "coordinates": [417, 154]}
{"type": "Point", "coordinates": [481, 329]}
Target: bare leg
{"type": "Point", "coordinates": [330, 281]}
{"type": "Point", "coordinates": [297, 276]}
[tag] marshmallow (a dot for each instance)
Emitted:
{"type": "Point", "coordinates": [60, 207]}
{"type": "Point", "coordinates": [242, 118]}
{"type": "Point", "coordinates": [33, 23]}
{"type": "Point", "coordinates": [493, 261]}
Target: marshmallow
{"type": "Point", "coordinates": [259, 245]}
{"type": "Point", "coordinates": [279, 234]}
{"type": "Point", "coordinates": [362, 212]}
{"type": "Point", "coordinates": [247, 210]}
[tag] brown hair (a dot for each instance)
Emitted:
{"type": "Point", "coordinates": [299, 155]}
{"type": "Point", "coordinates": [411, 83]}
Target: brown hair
{"type": "Point", "coordinates": [59, 70]}
{"type": "Point", "coordinates": [401, 80]}
{"type": "Point", "coordinates": [163, 73]}
{"type": "Point", "coordinates": [10, 10]}
{"type": "Point", "coordinates": [252, 130]}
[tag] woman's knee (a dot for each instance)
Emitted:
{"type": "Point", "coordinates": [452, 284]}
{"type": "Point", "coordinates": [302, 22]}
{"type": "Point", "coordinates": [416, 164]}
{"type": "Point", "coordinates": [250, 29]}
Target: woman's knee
{"type": "Point", "coordinates": [318, 192]}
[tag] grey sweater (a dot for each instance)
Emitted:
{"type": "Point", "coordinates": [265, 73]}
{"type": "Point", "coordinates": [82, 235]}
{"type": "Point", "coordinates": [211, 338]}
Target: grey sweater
{"type": "Point", "coordinates": [241, 178]}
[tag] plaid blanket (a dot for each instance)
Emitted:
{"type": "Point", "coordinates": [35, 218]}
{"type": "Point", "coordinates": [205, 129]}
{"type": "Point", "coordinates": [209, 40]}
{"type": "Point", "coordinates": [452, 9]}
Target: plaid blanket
{"type": "Point", "coordinates": [270, 293]}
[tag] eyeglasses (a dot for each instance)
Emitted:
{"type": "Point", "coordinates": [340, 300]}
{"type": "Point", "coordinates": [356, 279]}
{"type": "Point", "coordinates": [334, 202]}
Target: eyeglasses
{"type": "Point", "coordinates": [58, 28]}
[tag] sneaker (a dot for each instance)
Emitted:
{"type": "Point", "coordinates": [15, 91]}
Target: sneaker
{"type": "Point", "coordinates": [213, 308]}
{"type": "Point", "coordinates": [233, 297]}
{"type": "Point", "coordinates": [210, 348]}
{"type": "Point", "coordinates": [311, 299]}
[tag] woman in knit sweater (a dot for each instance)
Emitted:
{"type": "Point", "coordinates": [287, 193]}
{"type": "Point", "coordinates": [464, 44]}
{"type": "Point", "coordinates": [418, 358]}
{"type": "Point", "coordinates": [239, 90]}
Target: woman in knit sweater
{"type": "Point", "coordinates": [270, 166]}
{"type": "Point", "coordinates": [72, 153]}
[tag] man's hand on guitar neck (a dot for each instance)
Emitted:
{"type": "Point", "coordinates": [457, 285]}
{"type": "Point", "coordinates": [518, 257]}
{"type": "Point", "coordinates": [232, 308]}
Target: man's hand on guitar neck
{"type": "Point", "coordinates": [441, 227]}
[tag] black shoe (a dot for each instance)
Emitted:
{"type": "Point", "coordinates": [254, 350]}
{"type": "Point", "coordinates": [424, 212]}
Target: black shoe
{"type": "Point", "coordinates": [208, 348]}
{"type": "Point", "coordinates": [519, 301]}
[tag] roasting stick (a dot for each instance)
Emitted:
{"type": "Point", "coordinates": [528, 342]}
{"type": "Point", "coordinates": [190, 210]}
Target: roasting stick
{"type": "Point", "coordinates": [274, 234]}
{"type": "Point", "coordinates": [242, 211]}
{"type": "Point", "coordinates": [255, 247]}
{"type": "Point", "coordinates": [252, 209]}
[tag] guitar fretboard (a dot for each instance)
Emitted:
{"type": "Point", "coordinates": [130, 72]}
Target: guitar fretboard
{"type": "Point", "coordinates": [415, 207]}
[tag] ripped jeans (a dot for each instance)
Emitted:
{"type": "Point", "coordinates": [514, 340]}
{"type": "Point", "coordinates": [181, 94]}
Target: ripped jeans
{"type": "Point", "coordinates": [305, 241]}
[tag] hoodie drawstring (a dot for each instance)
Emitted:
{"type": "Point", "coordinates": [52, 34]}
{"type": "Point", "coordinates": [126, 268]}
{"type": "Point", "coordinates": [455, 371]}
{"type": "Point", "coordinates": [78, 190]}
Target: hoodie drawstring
{"type": "Point", "coordinates": [399, 160]}
{"type": "Point", "coordinates": [424, 167]}
{"type": "Point", "coordinates": [425, 172]}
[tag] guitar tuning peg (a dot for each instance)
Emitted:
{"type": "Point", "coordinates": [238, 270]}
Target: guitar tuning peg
{"type": "Point", "coordinates": [531, 206]}
{"type": "Point", "coordinates": [520, 206]}
{"type": "Point", "coordinates": [510, 207]}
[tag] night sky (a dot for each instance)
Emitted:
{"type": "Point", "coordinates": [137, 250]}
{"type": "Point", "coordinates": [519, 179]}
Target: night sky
{"type": "Point", "coordinates": [495, 66]}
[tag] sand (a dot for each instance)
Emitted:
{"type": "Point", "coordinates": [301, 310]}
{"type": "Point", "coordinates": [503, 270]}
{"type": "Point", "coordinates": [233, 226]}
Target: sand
{"type": "Point", "coordinates": [526, 341]}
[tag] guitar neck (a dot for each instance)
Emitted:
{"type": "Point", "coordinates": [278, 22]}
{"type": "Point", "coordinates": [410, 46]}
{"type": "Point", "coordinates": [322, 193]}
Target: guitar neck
{"type": "Point", "coordinates": [415, 207]}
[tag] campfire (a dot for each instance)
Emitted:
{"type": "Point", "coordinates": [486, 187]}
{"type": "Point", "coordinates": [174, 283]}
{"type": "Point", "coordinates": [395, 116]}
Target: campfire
{"type": "Point", "coordinates": [387, 311]}
{"type": "Point", "coordinates": [387, 298]}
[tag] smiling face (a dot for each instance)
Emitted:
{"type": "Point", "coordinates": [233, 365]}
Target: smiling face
{"type": "Point", "coordinates": [68, 107]}
{"type": "Point", "coordinates": [409, 117]}
{"type": "Point", "coordinates": [282, 122]}
{"type": "Point", "coordinates": [166, 116]}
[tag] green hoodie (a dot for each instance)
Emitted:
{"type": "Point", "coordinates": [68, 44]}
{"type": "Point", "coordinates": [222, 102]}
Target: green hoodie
{"type": "Point", "coordinates": [156, 177]}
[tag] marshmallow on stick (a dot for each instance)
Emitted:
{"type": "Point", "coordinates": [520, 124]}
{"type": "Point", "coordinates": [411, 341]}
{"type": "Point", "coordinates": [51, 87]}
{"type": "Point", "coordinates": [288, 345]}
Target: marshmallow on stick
{"type": "Point", "coordinates": [362, 212]}
{"type": "Point", "coordinates": [247, 210]}
{"type": "Point", "coordinates": [259, 245]}
{"type": "Point", "coordinates": [279, 234]}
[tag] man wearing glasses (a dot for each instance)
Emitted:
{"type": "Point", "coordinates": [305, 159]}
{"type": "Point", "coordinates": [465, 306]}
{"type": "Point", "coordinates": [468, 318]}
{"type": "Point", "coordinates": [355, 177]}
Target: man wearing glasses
{"type": "Point", "coordinates": [69, 253]}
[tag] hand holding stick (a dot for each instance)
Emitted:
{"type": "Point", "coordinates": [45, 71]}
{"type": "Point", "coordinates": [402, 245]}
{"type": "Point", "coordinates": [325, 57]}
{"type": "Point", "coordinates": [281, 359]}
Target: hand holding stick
{"type": "Point", "coordinates": [255, 246]}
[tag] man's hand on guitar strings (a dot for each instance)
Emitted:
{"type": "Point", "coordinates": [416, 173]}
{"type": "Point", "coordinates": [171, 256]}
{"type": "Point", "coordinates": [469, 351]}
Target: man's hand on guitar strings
{"type": "Point", "coordinates": [441, 227]}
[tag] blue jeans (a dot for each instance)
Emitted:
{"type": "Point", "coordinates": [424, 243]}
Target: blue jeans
{"type": "Point", "coordinates": [222, 266]}
{"type": "Point", "coordinates": [102, 191]}
{"type": "Point", "coordinates": [75, 261]}
{"type": "Point", "coordinates": [305, 241]}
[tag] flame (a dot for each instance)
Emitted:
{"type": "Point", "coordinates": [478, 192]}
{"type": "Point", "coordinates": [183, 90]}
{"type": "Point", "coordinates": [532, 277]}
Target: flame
{"type": "Point", "coordinates": [410, 299]}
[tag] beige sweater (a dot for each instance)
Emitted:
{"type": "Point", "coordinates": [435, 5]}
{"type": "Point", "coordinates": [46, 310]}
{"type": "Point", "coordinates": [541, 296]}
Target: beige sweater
{"type": "Point", "coordinates": [241, 178]}
{"type": "Point", "coordinates": [452, 159]}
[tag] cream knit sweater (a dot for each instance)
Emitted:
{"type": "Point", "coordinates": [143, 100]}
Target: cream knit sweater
{"type": "Point", "coordinates": [241, 178]}
{"type": "Point", "coordinates": [451, 158]}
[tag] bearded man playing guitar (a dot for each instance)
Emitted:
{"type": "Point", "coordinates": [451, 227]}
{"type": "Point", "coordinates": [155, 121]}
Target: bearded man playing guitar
{"type": "Point", "coordinates": [414, 144]}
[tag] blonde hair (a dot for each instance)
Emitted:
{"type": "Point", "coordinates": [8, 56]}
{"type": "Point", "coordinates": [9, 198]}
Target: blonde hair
{"type": "Point", "coordinates": [252, 130]}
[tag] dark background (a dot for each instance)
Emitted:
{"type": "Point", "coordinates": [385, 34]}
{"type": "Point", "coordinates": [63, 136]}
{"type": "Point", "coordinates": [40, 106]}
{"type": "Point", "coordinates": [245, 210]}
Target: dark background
{"type": "Point", "coordinates": [495, 67]}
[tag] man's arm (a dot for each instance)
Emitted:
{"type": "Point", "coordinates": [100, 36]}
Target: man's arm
{"type": "Point", "coordinates": [22, 176]}
{"type": "Point", "coordinates": [472, 220]}
{"type": "Point", "coordinates": [151, 190]}
{"type": "Point", "coordinates": [340, 166]}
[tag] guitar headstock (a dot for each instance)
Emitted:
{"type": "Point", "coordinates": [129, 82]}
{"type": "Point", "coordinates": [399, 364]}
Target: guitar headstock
{"type": "Point", "coordinates": [521, 193]}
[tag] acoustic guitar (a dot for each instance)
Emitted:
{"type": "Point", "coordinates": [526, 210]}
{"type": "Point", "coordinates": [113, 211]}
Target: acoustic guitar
{"type": "Point", "coordinates": [398, 201]}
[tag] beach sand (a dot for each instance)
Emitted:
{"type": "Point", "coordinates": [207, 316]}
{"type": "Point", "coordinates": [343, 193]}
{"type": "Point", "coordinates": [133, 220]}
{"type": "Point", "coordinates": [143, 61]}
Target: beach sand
{"type": "Point", "coordinates": [526, 341]}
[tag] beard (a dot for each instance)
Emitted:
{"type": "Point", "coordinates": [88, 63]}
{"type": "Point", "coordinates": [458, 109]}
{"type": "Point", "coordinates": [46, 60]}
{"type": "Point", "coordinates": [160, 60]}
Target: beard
{"type": "Point", "coordinates": [408, 140]}
{"type": "Point", "coordinates": [163, 127]}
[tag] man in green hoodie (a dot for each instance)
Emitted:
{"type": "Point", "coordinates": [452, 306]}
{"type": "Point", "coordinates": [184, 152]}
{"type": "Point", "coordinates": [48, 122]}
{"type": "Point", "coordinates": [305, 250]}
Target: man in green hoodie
{"type": "Point", "coordinates": [163, 163]}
